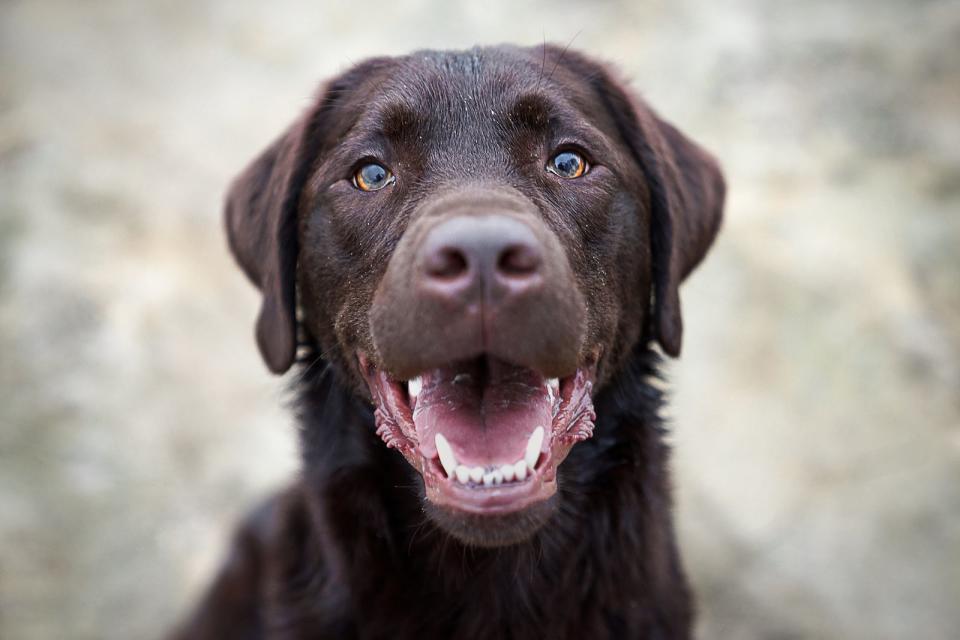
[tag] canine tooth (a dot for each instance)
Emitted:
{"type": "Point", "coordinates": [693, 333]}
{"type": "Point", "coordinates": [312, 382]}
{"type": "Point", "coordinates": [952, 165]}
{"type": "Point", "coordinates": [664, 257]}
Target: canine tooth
{"type": "Point", "coordinates": [463, 473]}
{"type": "Point", "coordinates": [414, 386]}
{"type": "Point", "coordinates": [533, 447]}
{"type": "Point", "coordinates": [520, 470]}
{"type": "Point", "coordinates": [476, 474]}
{"type": "Point", "coordinates": [497, 476]}
{"type": "Point", "coordinates": [447, 459]}
{"type": "Point", "coordinates": [488, 479]}
{"type": "Point", "coordinates": [507, 472]}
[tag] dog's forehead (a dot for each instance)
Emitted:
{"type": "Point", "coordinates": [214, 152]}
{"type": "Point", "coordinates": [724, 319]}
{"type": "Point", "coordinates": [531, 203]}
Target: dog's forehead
{"type": "Point", "coordinates": [467, 95]}
{"type": "Point", "coordinates": [434, 78]}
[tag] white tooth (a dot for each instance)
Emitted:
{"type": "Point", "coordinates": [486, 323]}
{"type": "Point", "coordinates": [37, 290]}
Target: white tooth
{"type": "Point", "coordinates": [463, 473]}
{"type": "Point", "coordinates": [476, 474]}
{"type": "Point", "coordinates": [414, 386]}
{"type": "Point", "coordinates": [553, 394]}
{"type": "Point", "coordinates": [488, 479]}
{"type": "Point", "coordinates": [533, 447]}
{"type": "Point", "coordinates": [520, 469]}
{"type": "Point", "coordinates": [497, 476]}
{"type": "Point", "coordinates": [447, 459]}
{"type": "Point", "coordinates": [507, 471]}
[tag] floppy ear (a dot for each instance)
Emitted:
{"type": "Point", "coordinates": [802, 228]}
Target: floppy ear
{"type": "Point", "coordinates": [686, 195]}
{"type": "Point", "coordinates": [261, 215]}
{"type": "Point", "coordinates": [261, 220]}
{"type": "Point", "coordinates": [687, 192]}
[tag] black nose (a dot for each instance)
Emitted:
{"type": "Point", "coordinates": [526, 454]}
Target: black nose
{"type": "Point", "coordinates": [467, 256]}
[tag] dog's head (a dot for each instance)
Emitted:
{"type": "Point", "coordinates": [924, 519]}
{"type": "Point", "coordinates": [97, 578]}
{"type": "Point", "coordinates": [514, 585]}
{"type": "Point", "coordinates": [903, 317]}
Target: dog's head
{"type": "Point", "coordinates": [476, 240]}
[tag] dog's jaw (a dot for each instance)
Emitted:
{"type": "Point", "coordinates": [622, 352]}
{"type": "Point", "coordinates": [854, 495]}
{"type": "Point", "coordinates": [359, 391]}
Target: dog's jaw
{"type": "Point", "coordinates": [462, 471]}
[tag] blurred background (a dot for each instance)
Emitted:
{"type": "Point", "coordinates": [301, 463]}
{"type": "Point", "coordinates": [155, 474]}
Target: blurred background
{"type": "Point", "coordinates": [817, 406]}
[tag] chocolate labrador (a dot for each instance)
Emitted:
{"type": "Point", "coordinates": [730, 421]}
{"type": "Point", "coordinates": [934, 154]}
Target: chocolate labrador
{"type": "Point", "coordinates": [470, 256]}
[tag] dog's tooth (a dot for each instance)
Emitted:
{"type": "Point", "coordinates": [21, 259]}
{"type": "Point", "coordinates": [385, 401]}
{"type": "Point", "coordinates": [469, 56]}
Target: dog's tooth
{"type": "Point", "coordinates": [414, 386]}
{"type": "Point", "coordinates": [463, 473]}
{"type": "Point", "coordinates": [507, 472]}
{"type": "Point", "coordinates": [476, 474]}
{"type": "Point", "coordinates": [445, 451]}
{"type": "Point", "coordinates": [520, 470]}
{"type": "Point", "coordinates": [497, 476]}
{"type": "Point", "coordinates": [533, 447]}
{"type": "Point", "coordinates": [553, 394]}
{"type": "Point", "coordinates": [488, 479]}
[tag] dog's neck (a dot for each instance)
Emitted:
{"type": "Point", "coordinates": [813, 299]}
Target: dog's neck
{"type": "Point", "coordinates": [613, 488]}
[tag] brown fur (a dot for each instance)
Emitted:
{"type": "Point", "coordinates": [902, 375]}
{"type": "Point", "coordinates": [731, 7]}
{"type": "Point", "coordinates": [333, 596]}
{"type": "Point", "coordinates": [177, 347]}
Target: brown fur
{"type": "Point", "coordinates": [348, 552]}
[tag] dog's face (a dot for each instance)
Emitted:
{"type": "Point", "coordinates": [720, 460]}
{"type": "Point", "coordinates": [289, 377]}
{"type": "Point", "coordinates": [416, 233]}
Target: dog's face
{"type": "Point", "coordinates": [476, 240]}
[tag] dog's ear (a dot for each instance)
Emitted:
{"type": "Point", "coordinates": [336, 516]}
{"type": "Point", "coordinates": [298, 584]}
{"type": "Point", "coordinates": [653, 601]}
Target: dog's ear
{"type": "Point", "coordinates": [687, 192]}
{"type": "Point", "coordinates": [261, 230]}
{"type": "Point", "coordinates": [686, 189]}
{"type": "Point", "coordinates": [261, 216]}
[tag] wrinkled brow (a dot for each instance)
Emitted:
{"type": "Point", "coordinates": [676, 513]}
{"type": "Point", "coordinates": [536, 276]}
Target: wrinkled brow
{"type": "Point", "coordinates": [532, 110]}
{"type": "Point", "coordinates": [400, 122]}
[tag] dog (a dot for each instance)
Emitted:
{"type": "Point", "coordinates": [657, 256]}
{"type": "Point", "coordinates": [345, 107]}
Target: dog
{"type": "Point", "coordinates": [471, 257]}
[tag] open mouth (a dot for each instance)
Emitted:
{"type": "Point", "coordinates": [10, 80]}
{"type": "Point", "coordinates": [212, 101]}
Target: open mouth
{"type": "Point", "coordinates": [486, 435]}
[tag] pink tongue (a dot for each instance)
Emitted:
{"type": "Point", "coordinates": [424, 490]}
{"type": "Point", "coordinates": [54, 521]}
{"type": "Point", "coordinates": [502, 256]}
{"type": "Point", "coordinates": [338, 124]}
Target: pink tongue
{"type": "Point", "coordinates": [486, 409]}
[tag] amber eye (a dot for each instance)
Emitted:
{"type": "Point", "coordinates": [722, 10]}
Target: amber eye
{"type": "Point", "coordinates": [567, 164]}
{"type": "Point", "coordinates": [372, 176]}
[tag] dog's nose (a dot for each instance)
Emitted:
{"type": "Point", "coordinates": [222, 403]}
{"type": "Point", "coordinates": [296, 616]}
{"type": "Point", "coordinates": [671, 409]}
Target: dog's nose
{"type": "Point", "coordinates": [495, 256]}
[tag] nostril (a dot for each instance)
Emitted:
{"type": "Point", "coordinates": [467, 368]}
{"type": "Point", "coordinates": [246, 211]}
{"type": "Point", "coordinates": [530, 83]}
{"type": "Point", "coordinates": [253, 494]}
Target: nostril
{"type": "Point", "coordinates": [519, 260]}
{"type": "Point", "coordinates": [446, 263]}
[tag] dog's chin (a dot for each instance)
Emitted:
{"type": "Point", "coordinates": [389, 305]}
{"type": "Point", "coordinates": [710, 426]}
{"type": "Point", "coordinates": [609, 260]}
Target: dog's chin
{"type": "Point", "coordinates": [492, 531]}
{"type": "Point", "coordinates": [486, 437]}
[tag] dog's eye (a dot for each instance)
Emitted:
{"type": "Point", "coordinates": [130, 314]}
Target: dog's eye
{"type": "Point", "coordinates": [567, 164]}
{"type": "Point", "coordinates": [372, 176]}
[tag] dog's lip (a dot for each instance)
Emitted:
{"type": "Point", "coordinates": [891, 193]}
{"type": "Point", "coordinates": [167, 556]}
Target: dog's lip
{"type": "Point", "coordinates": [496, 500]}
{"type": "Point", "coordinates": [572, 422]}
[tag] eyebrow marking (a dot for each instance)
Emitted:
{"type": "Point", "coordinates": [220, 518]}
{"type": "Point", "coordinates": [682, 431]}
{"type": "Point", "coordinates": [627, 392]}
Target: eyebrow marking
{"type": "Point", "coordinates": [399, 121]}
{"type": "Point", "coordinates": [532, 110]}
